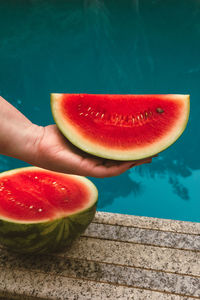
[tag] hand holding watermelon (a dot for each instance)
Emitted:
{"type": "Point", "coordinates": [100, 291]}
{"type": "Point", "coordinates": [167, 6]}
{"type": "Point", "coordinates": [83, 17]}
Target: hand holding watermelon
{"type": "Point", "coordinates": [45, 211]}
{"type": "Point", "coordinates": [46, 147]}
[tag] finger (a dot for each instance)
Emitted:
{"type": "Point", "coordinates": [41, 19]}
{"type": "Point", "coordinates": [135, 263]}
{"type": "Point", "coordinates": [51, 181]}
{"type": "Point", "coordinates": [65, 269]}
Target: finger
{"type": "Point", "coordinates": [143, 162]}
{"type": "Point", "coordinates": [110, 163]}
{"type": "Point", "coordinates": [101, 168]}
{"type": "Point", "coordinates": [102, 171]}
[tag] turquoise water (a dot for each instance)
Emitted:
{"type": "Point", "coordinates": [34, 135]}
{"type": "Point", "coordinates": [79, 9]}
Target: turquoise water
{"type": "Point", "coordinates": [111, 46]}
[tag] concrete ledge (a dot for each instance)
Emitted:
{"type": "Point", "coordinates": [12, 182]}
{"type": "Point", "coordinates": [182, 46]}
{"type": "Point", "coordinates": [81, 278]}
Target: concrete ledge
{"type": "Point", "coordinates": [146, 222]}
{"type": "Point", "coordinates": [118, 257]}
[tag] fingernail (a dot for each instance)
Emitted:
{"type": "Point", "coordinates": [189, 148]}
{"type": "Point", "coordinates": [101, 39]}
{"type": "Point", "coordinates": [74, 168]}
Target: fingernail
{"type": "Point", "coordinates": [131, 166]}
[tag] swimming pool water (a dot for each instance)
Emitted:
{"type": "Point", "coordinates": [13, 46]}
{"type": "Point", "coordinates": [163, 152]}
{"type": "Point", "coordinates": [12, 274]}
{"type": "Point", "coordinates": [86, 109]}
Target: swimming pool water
{"type": "Point", "coordinates": [99, 46]}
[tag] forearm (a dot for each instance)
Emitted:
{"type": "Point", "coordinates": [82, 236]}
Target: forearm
{"type": "Point", "coordinates": [16, 133]}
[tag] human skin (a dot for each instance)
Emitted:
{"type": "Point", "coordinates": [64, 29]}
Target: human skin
{"type": "Point", "coordinates": [47, 148]}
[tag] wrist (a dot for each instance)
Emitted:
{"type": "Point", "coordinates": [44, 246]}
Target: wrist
{"type": "Point", "coordinates": [23, 143]}
{"type": "Point", "coordinates": [28, 148]}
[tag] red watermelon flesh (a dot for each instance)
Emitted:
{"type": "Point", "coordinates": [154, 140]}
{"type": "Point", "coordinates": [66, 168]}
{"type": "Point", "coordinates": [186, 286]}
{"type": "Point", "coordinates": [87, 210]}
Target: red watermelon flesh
{"type": "Point", "coordinates": [121, 127]}
{"type": "Point", "coordinates": [35, 195]}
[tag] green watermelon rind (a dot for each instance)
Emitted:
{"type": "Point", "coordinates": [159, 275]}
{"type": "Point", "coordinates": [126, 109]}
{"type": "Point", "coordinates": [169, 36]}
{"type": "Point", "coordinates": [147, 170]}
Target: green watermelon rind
{"type": "Point", "coordinates": [76, 138]}
{"type": "Point", "coordinates": [47, 236]}
{"type": "Point", "coordinates": [30, 238]}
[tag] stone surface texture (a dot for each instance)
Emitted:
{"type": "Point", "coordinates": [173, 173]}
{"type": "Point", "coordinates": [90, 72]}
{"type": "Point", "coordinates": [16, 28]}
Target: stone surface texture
{"type": "Point", "coordinates": [118, 257]}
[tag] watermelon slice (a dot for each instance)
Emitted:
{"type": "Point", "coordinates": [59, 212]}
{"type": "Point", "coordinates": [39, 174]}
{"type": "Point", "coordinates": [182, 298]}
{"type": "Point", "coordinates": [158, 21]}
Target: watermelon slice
{"type": "Point", "coordinates": [43, 211]}
{"type": "Point", "coordinates": [121, 127]}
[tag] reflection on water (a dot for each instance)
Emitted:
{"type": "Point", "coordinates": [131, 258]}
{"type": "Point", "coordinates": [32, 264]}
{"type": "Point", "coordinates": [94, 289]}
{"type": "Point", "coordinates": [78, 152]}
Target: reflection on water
{"type": "Point", "coordinates": [171, 170]}
{"type": "Point", "coordinates": [109, 46]}
{"type": "Point", "coordinates": [179, 188]}
{"type": "Point", "coordinates": [111, 188]}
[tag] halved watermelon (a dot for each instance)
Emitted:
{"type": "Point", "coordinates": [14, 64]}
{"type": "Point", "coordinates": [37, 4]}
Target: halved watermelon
{"type": "Point", "coordinates": [121, 127]}
{"type": "Point", "coordinates": [43, 211]}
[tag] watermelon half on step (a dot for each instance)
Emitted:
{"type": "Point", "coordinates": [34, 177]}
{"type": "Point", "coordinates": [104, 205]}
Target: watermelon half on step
{"type": "Point", "coordinates": [44, 211]}
{"type": "Point", "coordinates": [121, 127]}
